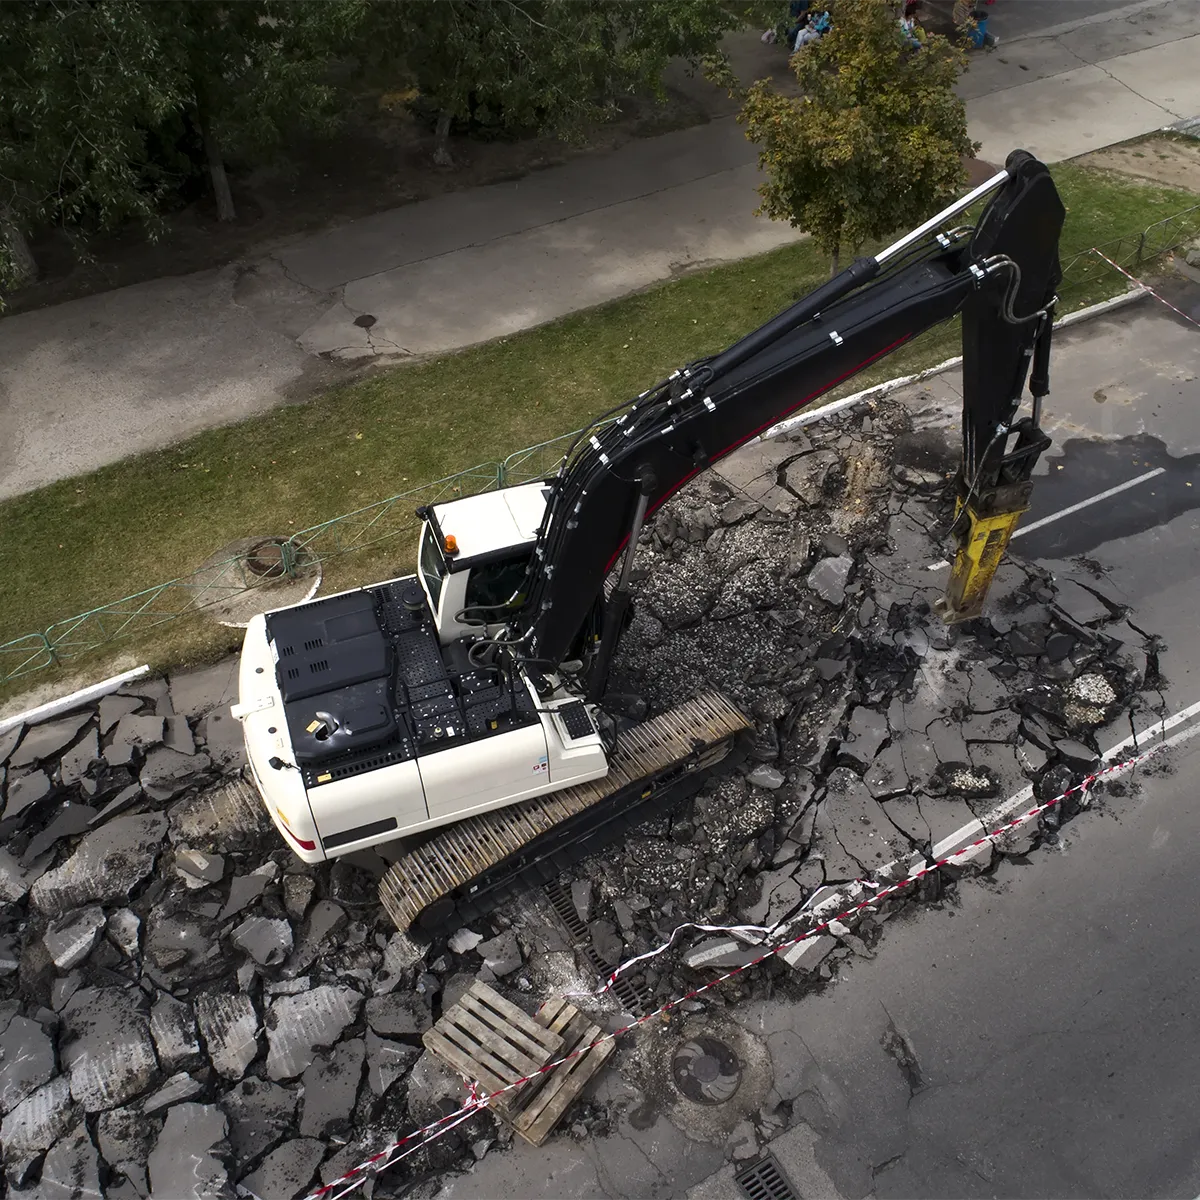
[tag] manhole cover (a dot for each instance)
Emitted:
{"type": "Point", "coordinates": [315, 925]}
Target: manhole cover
{"type": "Point", "coordinates": [706, 1070]}
{"type": "Point", "coordinates": [266, 558]}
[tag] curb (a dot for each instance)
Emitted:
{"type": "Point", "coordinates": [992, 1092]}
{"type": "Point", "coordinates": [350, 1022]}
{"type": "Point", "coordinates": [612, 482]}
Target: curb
{"type": "Point", "coordinates": [890, 385]}
{"type": "Point", "coordinates": [63, 704]}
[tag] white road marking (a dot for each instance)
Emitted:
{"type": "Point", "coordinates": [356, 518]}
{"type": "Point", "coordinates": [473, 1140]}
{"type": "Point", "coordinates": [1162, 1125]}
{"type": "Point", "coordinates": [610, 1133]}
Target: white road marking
{"type": "Point", "coordinates": [1074, 508]}
{"type": "Point", "coordinates": [1004, 812]}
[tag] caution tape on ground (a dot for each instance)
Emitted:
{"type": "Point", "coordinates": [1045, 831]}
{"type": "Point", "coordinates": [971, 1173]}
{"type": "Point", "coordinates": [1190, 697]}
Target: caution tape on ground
{"type": "Point", "coordinates": [1146, 288]}
{"type": "Point", "coordinates": [412, 1142]}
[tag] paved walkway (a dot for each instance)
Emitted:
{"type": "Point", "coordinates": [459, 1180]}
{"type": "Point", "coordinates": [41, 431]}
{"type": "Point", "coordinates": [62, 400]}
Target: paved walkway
{"type": "Point", "coordinates": [88, 382]}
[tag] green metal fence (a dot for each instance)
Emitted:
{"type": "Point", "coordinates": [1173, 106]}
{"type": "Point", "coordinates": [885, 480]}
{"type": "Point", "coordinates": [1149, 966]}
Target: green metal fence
{"type": "Point", "coordinates": [1086, 269]}
{"type": "Point", "coordinates": [395, 518]}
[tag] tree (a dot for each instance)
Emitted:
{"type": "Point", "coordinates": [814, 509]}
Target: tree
{"type": "Point", "coordinates": [247, 71]}
{"type": "Point", "coordinates": [80, 91]}
{"type": "Point", "coordinates": [876, 139]}
{"type": "Point", "coordinates": [545, 65]}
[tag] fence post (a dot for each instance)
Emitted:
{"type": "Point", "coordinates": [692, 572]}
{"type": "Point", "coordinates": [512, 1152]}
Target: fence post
{"type": "Point", "coordinates": [1141, 247]}
{"type": "Point", "coordinates": [288, 558]}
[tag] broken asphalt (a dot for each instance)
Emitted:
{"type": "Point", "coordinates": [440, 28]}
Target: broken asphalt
{"type": "Point", "coordinates": [88, 382]}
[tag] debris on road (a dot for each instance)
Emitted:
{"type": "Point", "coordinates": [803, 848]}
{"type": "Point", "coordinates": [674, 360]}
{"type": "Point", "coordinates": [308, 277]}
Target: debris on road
{"type": "Point", "coordinates": [175, 986]}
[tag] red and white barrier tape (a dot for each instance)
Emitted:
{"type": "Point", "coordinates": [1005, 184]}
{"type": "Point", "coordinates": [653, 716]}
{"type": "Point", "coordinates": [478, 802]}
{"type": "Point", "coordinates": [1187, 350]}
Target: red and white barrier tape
{"type": "Point", "coordinates": [746, 932]}
{"type": "Point", "coordinates": [1146, 288]}
{"type": "Point", "coordinates": [388, 1157]}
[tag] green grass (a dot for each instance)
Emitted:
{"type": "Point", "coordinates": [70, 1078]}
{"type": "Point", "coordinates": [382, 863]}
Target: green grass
{"type": "Point", "coordinates": [85, 541]}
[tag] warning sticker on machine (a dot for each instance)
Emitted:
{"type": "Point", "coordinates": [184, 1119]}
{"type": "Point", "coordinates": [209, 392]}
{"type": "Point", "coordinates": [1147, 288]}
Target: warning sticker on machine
{"type": "Point", "coordinates": [542, 766]}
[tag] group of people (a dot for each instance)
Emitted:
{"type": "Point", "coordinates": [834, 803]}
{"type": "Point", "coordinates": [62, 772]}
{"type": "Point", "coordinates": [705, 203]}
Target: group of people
{"type": "Point", "coordinates": [810, 25]}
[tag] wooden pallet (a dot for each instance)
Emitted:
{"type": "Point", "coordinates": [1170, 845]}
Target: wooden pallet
{"type": "Point", "coordinates": [534, 1110]}
{"type": "Point", "coordinates": [494, 1043]}
{"type": "Point", "coordinates": [491, 1041]}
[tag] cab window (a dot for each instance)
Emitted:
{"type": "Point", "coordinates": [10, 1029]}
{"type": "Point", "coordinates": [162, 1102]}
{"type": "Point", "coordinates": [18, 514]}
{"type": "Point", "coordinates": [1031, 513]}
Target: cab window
{"type": "Point", "coordinates": [496, 583]}
{"type": "Point", "coordinates": [433, 569]}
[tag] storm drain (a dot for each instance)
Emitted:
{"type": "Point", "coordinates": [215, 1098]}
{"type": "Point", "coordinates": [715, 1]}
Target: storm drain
{"type": "Point", "coordinates": [765, 1180]}
{"type": "Point", "coordinates": [634, 999]}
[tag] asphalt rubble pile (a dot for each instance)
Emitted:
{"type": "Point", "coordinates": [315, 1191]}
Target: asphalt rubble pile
{"type": "Point", "coordinates": [187, 1010]}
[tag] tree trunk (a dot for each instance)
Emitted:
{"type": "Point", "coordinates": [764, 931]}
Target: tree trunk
{"type": "Point", "coordinates": [833, 269]}
{"type": "Point", "coordinates": [441, 141]}
{"type": "Point", "coordinates": [216, 171]}
{"type": "Point", "coordinates": [25, 268]}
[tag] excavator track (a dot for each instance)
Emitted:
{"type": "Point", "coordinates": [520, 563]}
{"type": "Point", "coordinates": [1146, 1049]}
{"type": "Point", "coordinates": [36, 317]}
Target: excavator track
{"type": "Point", "coordinates": [472, 866]}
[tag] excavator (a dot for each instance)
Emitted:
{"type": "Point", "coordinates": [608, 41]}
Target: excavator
{"type": "Point", "coordinates": [464, 709]}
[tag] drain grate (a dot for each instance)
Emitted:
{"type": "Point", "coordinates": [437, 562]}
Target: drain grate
{"type": "Point", "coordinates": [634, 999]}
{"type": "Point", "coordinates": [765, 1180]}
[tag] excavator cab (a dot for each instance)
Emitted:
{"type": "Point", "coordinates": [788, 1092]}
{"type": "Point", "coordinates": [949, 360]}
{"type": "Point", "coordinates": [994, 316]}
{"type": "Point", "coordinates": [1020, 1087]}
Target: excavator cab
{"type": "Point", "coordinates": [474, 555]}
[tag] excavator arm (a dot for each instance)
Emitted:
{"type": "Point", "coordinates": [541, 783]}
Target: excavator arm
{"type": "Point", "coordinates": [1001, 275]}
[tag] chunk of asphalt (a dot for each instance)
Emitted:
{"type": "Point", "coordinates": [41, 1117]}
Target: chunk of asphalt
{"type": "Point", "coordinates": [166, 772]}
{"type": "Point", "coordinates": [122, 928]}
{"type": "Point", "coordinates": [502, 955]}
{"type": "Point", "coordinates": [462, 941]}
{"type": "Point", "coordinates": [125, 1135]}
{"type": "Point", "coordinates": [26, 1061]}
{"type": "Point", "coordinates": [49, 740]}
{"type": "Point", "coordinates": [71, 819]}
{"type": "Point", "coordinates": [581, 898]}
{"type": "Point", "coordinates": [229, 1026]}
{"type": "Point", "coordinates": [187, 1160]}
{"type": "Point", "coordinates": [124, 799]}
{"type": "Point", "coordinates": [297, 895]}
{"type": "Point", "coordinates": [178, 1088]}
{"type": "Point", "coordinates": [401, 1015]}
{"type": "Point", "coordinates": [70, 939]}
{"type": "Point", "coordinates": [243, 890]}
{"type": "Point", "coordinates": [177, 735]}
{"type": "Point", "coordinates": [8, 742]}
{"type": "Point", "coordinates": [71, 1168]}
{"type": "Point", "coordinates": [719, 953]}
{"type": "Point", "coordinates": [298, 1025]}
{"type": "Point", "coordinates": [26, 790]}
{"type": "Point", "coordinates": [173, 1028]}
{"type": "Point", "coordinates": [829, 577]}
{"type": "Point", "coordinates": [399, 956]}
{"type": "Point", "coordinates": [108, 1051]}
{"type": "Point", "coordinates": [39, 1120]}
{"type": "Point", "coordinates": [115, 706]}
{"type": "Point", "coordinates": [331, 1087]}
{"type": "Point", "coordinates": [287, 1171]}
{"type": "Point", "coordinates": [15, 878]}
{"type": "Point", "coordinates": [133, 735]}
{"type": "Point", "coordinates": [223, 740]}
{"type": "Point", "coordinates": [260, 1116]}
{"type": "Point", "coordinates": [197, 869]}
{"type": "Point", "coordinates": [267, 940]}
{"type": "Point", "coordinates": [106, 866]}
{"type": "Point", "coordinates": [1076, 754]}
{"type": "Point", "coordinates": [865, 734]}
{"type": "Point", "coordinates": [78, 759]}
{"type": "Point", "coordinates": [387, 1061]}
{"type": "Point", "coordinates": [766, 777]}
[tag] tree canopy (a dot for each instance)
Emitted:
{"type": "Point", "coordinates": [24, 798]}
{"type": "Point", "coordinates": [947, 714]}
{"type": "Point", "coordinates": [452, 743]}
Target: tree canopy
{"type": "Point", "coordinates": [111, 104]}
{"type": "Point", "coordinates": [877, 137]}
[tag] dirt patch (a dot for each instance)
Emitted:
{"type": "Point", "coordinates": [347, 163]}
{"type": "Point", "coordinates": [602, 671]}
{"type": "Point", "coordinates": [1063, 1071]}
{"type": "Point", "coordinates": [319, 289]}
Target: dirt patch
{"type": "Point", "coordinates": [1172, 159]}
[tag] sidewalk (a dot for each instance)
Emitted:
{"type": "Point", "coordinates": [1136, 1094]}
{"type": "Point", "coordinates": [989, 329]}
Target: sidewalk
{"type": "Point", "coordinates": [91, 381]}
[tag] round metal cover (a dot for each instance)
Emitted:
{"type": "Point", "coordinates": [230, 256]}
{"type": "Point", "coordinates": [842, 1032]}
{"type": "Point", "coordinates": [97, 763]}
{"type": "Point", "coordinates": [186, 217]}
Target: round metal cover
{"type": "Point", "coordinates": [706, 1070]}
